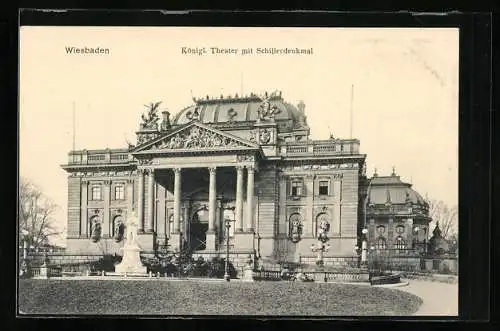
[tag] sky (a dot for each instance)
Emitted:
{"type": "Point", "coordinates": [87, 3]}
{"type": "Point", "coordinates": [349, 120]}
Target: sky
{"type": "Point", "coordinates": [404, 82]}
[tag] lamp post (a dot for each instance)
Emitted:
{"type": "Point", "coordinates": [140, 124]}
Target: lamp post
{"type": "Point", "coordinates": [24, 262]}
{"type": "Point", "coordinates": [227, 225]}
{"type": "Point", "coordinates": [320, 247]}
{"type": "Point", "coordinates": [364, 245]}
{"type": "Point", "coordinates": [416, 242]}
{"type": "Point", "coordinates": [227, 277]}
{"type": "Point", "coordinates": [365, 205]}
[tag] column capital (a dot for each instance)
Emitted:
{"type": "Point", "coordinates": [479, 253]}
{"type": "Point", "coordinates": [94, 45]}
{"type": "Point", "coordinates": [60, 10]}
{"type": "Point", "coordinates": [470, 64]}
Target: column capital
{"type": "Point", "coordinates": [107, 182]}
{"type": "Point", "coordinates": [212, 169]}
{"type": "Point", "coordinates": [239, 168]}
{"type": "Point", "coordinates": [252, 168]}
{"type": "Point", "coordinates": [130, 181]}
{"type": "Point", "coordinates": [177, 171]}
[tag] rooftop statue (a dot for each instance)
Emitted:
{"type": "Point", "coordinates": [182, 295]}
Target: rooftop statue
{"type": "Point", "coordinates": [150, 120]}
{"type": "Point", "coordinates": [267, 111]}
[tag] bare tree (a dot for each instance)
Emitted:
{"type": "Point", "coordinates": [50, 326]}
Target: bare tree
{"type": "Point", "coordinates": [35, 215]}
{"type": "Point", "coordinates": [446, 216]}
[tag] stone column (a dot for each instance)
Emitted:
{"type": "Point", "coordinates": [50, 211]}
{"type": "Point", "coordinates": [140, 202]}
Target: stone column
{"type": "Point", "coordinates": [250, 196]}
{"type": "Point", "coordinates": [212, 192]}
{"type": "Point", "coordinates": [280, 226]}
{"type": "Point", "coordinates": [310, 221]}
{"type": "Point", "coordinates": [140, 201]}
{"type": "Point", "coordinates": [239, 199]}
{"type": "Point", "coordinates": [371, 232]}
{"type": "Point", "coordinates": [84, 217]}
{"type": "Point", "coordinates": [129, 194]}
{"type": "Point", "coordinates": [409, 233]}
{"type": "Point", "coordinates": [177, 200]}
{"type": "Point", "coordinates": [151, 204]}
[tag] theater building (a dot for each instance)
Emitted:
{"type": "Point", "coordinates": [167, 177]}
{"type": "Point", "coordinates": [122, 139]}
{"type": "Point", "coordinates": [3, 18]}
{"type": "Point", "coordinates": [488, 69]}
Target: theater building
{"type": "Point", "coordinates": [246, 159]}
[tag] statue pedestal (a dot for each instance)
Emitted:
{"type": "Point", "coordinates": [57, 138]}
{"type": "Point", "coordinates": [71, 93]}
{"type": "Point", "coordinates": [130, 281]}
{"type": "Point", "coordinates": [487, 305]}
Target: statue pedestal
{"type": "Point", "coordinates": [131, 261]}
{"type": "Point", "coordinates": [248, 274]}
{"type": "Point", "coordinates": [44, 271]}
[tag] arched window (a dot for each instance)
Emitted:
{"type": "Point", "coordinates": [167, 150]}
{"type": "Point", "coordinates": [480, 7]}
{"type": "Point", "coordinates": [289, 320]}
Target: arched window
{"type": "Point", "coordinates": [295, 226]}
{"type": "Point", "coordinates": [381, 243]}
{"type": "Point", "coordinates": [118, 228]}
{"type": "Point", "coordinates": [95, 228]}
{"type": "Point", "coordinates": [380, 229]}
{"type": "Point", "coordinates": [400, 243]}
{"type": "Point", "coordinates": [322, 224]}
{"type": "Point", "coordinates": [400, 229]}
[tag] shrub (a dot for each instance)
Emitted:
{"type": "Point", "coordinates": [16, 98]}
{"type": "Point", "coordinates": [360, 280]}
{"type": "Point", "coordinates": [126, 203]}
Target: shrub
{"type": "Point", "coordinates": [217, 266]}
{"type": "Point", "coordinates": [106, 263]}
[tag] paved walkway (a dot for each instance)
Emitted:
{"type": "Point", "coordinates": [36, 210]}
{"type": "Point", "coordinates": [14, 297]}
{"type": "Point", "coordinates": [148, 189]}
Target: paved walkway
{"type": "Point", "coordinates": [439, 299]}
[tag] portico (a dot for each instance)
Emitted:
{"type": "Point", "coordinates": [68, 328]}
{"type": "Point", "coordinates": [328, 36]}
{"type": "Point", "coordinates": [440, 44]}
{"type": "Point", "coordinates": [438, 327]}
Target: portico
{"type": "Point", "coordinates": [176, 188]}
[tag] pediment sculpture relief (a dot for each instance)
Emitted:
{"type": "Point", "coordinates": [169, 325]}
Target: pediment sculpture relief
{"type": "Point", "coordinates": [196, 137]}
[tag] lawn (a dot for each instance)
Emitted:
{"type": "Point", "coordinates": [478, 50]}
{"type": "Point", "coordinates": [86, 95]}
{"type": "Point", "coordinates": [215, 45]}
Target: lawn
{"type": "Point", "coordinates": [163, 297]}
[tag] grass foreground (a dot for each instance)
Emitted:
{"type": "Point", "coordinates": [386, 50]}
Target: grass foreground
{"type": "Point", "coordinates": [161, 297]}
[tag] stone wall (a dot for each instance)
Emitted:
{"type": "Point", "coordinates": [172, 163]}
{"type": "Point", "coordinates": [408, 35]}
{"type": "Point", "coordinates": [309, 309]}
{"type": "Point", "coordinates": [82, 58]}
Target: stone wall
{"type": "Point", "coordinates": [74, 211]}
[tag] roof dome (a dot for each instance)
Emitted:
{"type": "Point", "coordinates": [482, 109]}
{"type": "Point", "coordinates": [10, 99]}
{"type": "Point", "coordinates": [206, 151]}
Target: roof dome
{"type": "Point", "coordinates": [238, 109]}
{"type": "Point", "coordinates": [392, 190]}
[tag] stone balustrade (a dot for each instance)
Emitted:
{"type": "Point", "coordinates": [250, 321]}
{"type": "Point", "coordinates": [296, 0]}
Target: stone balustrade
{"type": "Point", "coordinates": [107, 156]}
{"type": "Point", "coordinates": [321, 147]}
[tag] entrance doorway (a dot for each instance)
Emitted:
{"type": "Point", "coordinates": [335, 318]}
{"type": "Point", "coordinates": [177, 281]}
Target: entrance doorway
{"type": "Point", "coordinates": [198, 232]}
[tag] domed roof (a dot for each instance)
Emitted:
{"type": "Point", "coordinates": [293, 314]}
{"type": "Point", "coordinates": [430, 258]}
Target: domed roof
{"type": "Point", "coordinates": [237, 109]}
{"type": "Point", "coordinates": [391, 189]}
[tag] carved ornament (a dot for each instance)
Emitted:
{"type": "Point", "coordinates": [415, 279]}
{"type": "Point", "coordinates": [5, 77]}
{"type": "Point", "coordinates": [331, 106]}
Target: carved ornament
{"type": "Point", "coordinates": [196, 137]}
{"type": "Point", "coordinates": [245, 158]}
{"type": "Point", "coordinates": [266, 110]}
{"type": "Point", "coordinates": [265, 136]}
{"type": "Point", "coordinates": [150, 120]}
{"type": "Point", "coordinates": [296, 225]}
{"type": "Point", "coordinates": [145, 161]}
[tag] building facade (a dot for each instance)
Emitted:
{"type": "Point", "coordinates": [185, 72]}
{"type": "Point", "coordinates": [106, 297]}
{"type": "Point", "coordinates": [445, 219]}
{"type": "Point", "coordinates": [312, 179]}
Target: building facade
{"type": "Point", "coordinates": [246, 159]}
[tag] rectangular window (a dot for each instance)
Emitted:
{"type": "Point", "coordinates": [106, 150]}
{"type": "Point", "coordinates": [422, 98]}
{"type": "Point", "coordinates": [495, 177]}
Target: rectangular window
{"type": "Point", "coordinates": [119, 192]}
{"type": "Point", "coordinates": [323, 187]}
{"type": "Point", "coordinates": [96, 193]}
{"type": "Point", "coordinates": [296, 190]}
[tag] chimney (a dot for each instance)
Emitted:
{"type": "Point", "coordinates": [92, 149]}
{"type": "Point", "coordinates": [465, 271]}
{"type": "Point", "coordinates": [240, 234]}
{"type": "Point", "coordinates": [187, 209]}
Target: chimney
{"type": "Point", "coordinates": [301, 106]}
{"type": "Point", "coordinates": [165, 125]}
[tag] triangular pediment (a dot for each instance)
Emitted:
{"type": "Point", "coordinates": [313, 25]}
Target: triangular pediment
{"type": "Point", "coordinates": [195, 136]}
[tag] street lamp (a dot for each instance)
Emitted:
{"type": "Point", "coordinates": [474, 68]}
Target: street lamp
{"type": "Point", "coordinates": [227, 277]}
{"type": "Point", "coordinates": [364, 245]}
{"type": "Point", "coordinates": [24, 262]}
{"type": "Point", "coordinates": [227, 225]}
{"type": "Point", "coordinates": [321, 247]}
{"type": "Point", "coordinates": [365, 205]}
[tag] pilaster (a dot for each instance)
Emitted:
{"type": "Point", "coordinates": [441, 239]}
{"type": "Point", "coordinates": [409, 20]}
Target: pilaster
{"type": "Point", "coordinates": [84, 212]}
{"type": "Point", "coordinates": [106, 226]}
{"type": "Point", "coordinates": [310, 228]}
{"type": "Point", "coordinates": [250, 199]}
{"type": "Point", "coordinates": [140, 201]}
